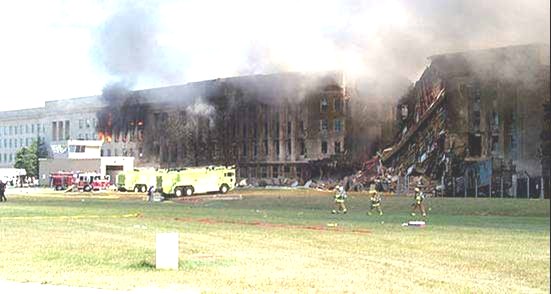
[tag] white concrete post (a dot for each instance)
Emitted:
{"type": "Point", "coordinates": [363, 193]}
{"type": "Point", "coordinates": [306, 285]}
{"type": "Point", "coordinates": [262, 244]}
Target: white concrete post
{"type": "Point", "coordinates": [167, 251]}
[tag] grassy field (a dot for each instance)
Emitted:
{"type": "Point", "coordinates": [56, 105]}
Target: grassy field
{"type": "Point", "coordinates": [277, 241]}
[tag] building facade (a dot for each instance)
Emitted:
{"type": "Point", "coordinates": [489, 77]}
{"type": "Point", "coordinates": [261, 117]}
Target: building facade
{"type": "Point", "coordinates": [474, 122]}
{"type": "Point", "coordinates": [277, 126]}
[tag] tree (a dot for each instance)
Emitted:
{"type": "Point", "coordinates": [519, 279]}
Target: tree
{"type": "Point", "coordinates": [27, 157]}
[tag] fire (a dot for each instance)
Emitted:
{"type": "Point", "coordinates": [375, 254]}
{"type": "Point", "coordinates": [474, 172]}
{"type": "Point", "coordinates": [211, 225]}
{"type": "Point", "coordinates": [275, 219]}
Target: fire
{"type": "Point", "coordinates": [104, 137]}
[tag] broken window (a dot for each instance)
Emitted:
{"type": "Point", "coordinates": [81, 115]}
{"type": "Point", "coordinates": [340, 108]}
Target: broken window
{"type": "Point", "coordinates": [255, 131]}
{"type": "Point", "coordinates": [324, 103]}
{"type": "Point", "coordinates": [337, 147]}
{"type": "Point", "coordinates": [301, 126]}
{"type": "Point", "coordinates": [255, 149]}
{"type": "Point", "coordinates": [302, 147]}
{"type": "Point", "coordinates": [338, 125]}
{"type": "Point", "coordinates": [266, 147]}
{"type": "Point", "coordinates": [244, 149]}
{"type": "Point", "coordinates": [266, 128]}
{"type": "Point", "coordinates": [244, 131]}
{"type": "Point", "coordinates": [338, 104]}
{"type": "Point", "coordinates": [323, 125]}
{"type": "Point", "coordinates": [263, 172]}
{"type": "Point", "coordinates": [276, 133]}
{"type": "Point", "coordinates": [475, 145]}
{"type": "Point", "coordinates": [495, 145]}
{"type": "Point", "coordinates": [476, 108]}
{"type": "Point", "coordinates": [275, 171]}
{"type": "Point", "coordinates": [276, 147]}
{"type": "Point", "coordinates": [324, 147]}
{"type": "Point", "coordinates": [286, 171]}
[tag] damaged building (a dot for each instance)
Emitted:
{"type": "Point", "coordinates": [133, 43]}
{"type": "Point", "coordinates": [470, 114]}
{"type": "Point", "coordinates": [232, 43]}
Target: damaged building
{"type": "Point", "coordinates": [273, 127]}
{"type": "Point", "coordinates": [472, 123]}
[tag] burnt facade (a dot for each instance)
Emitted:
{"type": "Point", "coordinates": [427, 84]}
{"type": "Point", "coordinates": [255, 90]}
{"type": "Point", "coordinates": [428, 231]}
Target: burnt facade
{"type": "Point", "coordinates": [475, 118]}
{"type": "Point", "coordinates": [276, 126]}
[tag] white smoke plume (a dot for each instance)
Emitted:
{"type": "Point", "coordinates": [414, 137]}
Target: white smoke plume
{"type": "Point", "coordinates": [382, 43]}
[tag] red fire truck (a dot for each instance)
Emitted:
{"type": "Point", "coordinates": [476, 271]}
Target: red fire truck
{"type": "Point", "coordinates": [62, 180]}
{"type": "Point", "coordinates": [92, 181]}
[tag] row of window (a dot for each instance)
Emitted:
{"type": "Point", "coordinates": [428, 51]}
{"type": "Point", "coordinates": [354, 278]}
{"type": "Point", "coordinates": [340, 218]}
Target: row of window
{"type": "Point", "coordinates": [122, 152]}
{"type": "Point", "coordinates": [88, 123]}
{"type": "Point", "coordinates": [16, 143]}
{"type": "Point", "coordinates": [338, 126]}
{"type": "Point", "coordinates": [337, 104]}
{"type": "Point", "coordinates": [288, 149]}
{"type": "Point", "coordinates": [274, 171]}
{"type": "Point", "coordinates": [7, 158]}
{"type": "Point", "coordinates": [22, 129]}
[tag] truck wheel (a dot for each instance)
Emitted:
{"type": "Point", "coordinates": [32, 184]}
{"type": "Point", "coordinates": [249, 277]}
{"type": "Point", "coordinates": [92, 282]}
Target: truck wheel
{"type": "Point", "coordinates": [179, 192]}
{"type": "Point", "coordinates": [137, 188]}
{"type": "Point", "coordinates": [143, 188]}
{"type": "Point", "coordinates": [224, 189]}
{"type": "Point", "coordinates": [87, 188]}
{"type": "Point", "coordinates": [188, 191]}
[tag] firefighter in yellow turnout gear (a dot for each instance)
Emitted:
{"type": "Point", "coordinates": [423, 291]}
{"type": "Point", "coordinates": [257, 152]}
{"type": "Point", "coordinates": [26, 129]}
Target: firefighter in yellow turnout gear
{"type": "Point", "coordinates": [375, 198]}
{"type": "Point", "coordinates": [418, 202]}
{"type": "Point", "coordinates": [340, 197]}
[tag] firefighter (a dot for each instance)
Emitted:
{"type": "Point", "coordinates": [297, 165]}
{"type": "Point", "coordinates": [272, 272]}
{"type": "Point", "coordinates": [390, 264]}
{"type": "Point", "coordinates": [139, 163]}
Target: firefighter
{"type": "Point", "coordinates": [375, 198]}
{"type": "Point", "coordinates": [340, 197]}
{"type": "Point", "coordinates": [2, 192]}
{"type": "Point", "coordinates": [418, 202]}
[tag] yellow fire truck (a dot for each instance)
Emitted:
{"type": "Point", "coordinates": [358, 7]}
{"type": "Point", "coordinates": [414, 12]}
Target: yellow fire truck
{"type": "Point", "coordinates": [196, 180]}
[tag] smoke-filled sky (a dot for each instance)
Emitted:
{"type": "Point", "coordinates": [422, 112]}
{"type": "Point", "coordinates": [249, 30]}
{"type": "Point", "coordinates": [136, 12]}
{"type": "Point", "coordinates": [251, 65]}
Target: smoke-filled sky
{"type": "Point", "coordinates": [61, 49]}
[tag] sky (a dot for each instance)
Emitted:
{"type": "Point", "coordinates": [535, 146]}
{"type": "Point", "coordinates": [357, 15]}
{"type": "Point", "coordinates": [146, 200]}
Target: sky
{"type": "Point", "coordinates": [60, 49]}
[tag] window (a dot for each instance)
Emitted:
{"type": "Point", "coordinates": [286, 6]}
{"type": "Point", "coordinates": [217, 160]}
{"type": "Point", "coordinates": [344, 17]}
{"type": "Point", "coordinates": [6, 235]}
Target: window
{"type": "Point", "coordinates": [255, 149]}
{"type": "Point", "coordinates": [244, 131]}
{"type": "Point", "coordinates": [11, 157]}
{"type": "Point", "coordinates": [276, 147]}
{"type": "Point", "coordinates": [324, 103]}
{"type": "Point", "coordinates": [26, 129]}
{"type": "Point", "coordinates": [67, 130]}
{"type": "Point", "coordinates": [337, 147]}
{"type": "Point", "coordinates": [11, 130]}
{"type": "Point", "coordinates": [54, 131]}
{"type": "Point", "coordinates": [10, 143]}
{"type": "Point", "coordinates": [324, 147]}
{"type": "Point", "coordinates": [244, 149]}
{"type": "Point", "coordinates": [338, 104]}
{"type": "Point", "coordinates": [275, 171]}
{"type": "Point", "coordinates": [87, 123]}
{"type": "Point", "coordinates": [16, 130]}
{"type": "Point", "coordinates": [108, 152]}
{"type": "Point", "coordinates": [26, 141]}
{"type": "Point", "coordinates": [289, 127]}
{"type": "Point", "coordinates": [266, 147]}
{"type": "Point", "coordinates": [323, 125]}
{"type": "Point", "coordinates": [32, 129]}
{"type": "Point", "coordinates": [302, 147]}
{"type": "Point", "coordinates": [266, 129]}
{"type": "Point", "coordinates": [286, 171]}
{"type": "Point", "coordinates": [338, 126]}
{"type": "Point", "coordinates": [301, 126]}
{"type": "Point", "coordinates": [276, 124]}
{"type": "Point", "coordinates": [263, 172]}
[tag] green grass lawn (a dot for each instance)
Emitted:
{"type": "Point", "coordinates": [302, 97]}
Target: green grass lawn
{"type": "Point", "coordinates": [277, 241]}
